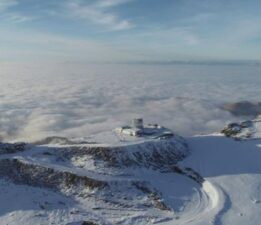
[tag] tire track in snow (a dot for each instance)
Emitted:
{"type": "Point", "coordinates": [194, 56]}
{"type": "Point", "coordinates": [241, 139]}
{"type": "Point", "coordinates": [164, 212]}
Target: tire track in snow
{"type": "Point", "coordinates": [213, 204]}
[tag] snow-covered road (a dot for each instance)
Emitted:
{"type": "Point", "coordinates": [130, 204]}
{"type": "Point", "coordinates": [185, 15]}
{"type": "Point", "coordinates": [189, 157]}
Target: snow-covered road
{"type": "Point", "coordinates": [232, 170]}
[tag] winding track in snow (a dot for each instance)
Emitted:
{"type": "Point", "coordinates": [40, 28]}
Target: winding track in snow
{"type": "Point", "coordinates": [210, 207]}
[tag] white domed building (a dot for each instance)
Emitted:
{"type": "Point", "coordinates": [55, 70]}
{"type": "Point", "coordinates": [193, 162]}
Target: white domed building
{"type": "Point", "coordinates": [153, 131]}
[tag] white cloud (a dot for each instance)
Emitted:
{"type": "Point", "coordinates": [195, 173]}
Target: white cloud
{"type": "Point", "coordinates": [6, 4]}
{"type": "Point", "coordinates": [17, 17]}
{"type": "Point", "coordinates": [99, 13]}
{"type": "Point", "coordinates": [80, 100]}
{"type": "Point", "coordinates": [8, 14]}
{"type": "Point", "coordinates": [111, 3]}
{"type": "Point", "coordinates": [45, 47]}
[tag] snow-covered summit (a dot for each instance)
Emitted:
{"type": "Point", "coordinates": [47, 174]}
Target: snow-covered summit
{"type": "Point", "coordinates": [134, 151]}
{"type": "Point", "coordinates": [148, 146]}
{"type": "Point", "coordinates": [129, 135]}
{"type": "Point", "coordinates": [102, 174]}
{"type": "Point", "coordinates": [76, 182]}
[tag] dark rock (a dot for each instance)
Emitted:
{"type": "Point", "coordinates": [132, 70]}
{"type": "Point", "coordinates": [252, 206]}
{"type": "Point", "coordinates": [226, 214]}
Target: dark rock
{"type": "Point", "coordinates": [36, 175]}
{"type": "Point", "coordinates": [153, 195]}
{"type": "Point", "coordinates": [6, 148]}
{"type": "Point", "coordinates": [243, 108]}
{"type": "Point", "coordinates": [89, 223]}
{"type": "Point", "coordinates": [148, 154]}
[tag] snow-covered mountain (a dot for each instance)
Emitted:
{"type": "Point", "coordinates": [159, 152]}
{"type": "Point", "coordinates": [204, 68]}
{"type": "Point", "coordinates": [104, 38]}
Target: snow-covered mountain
{"type": "Point", "coordinates": [211, 179]}
{"type": "Point", "coordinates": [83, 181]}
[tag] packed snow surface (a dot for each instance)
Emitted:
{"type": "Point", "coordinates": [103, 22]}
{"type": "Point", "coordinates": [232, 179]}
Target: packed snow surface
{"type": "Point", "coordinates": [234, 170]}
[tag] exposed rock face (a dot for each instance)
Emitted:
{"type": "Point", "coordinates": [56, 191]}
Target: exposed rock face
{"type": "Point", "coordinates": [107, 176]}
{"type": "Point", "coordinates": [189, 172]}
{"type": "Point", "coordinates": [153, 195]}
{"type": "Point", "coordinates": [154, 154]}
{"type": "Point", "coordinates": [250, 129]}
{"type": "Point", "coordinates": [244, 108]}
{"type": "Point", "coordinates": [232, 129]}
{"type": "Point", "coordinates": [6, 148]}
{"type": "Point", "coordinates": [34, 175]}
{"type": "Point", "coordinates": [83, 223]}
{"type": "Point", "coordinates": [59, 140]}
{"type": "Point", "coordinates": [88, 223]}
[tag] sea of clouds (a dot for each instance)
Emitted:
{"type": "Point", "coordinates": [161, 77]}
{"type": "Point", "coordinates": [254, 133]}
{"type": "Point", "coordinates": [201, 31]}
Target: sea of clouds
{"type": "Point", "coordinates": [77, 100]}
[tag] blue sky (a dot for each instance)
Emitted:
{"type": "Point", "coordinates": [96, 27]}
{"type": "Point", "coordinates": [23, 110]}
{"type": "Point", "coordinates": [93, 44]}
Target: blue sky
{"type": "Point", "coordinates": [129, 30]}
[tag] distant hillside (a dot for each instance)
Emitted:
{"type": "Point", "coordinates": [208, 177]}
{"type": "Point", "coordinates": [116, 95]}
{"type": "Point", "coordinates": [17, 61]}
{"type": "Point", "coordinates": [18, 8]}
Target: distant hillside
{"type": "Point", "coordinates": [243, 108]}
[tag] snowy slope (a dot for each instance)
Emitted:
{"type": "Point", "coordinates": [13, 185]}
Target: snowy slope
{"type": "Point", "coordinates": [234, 170]}
{"type": "Point", "coordinates": [104, 182]}
{"type": "Point", "coordinates": [218, 182]}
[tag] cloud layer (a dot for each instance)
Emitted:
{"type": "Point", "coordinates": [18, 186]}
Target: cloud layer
{"type": "Point", "coordinates": [69, 100]}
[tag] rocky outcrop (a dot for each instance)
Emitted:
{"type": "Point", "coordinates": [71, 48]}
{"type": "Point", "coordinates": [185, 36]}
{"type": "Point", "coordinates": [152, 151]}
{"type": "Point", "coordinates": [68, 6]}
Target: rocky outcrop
{"type": "Point", "coordinates": [6, 148]}
{"type": "Point", "coordinates": [156, 154]}
{"type": "Point", "coordinates": [246, 130]}
{"type": "Point", "coordinates": [188, 172]}
{"type": "Point", "coordinates": [150, 154]}
{"type": "Point", "coordinates": [60, 141]}
{"type": "Point", "coordinates": [22, 172]}
{"type": "Point", "coordinates": [153, 195]}
{"type": "Point", "coordinates": [103, 175]}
